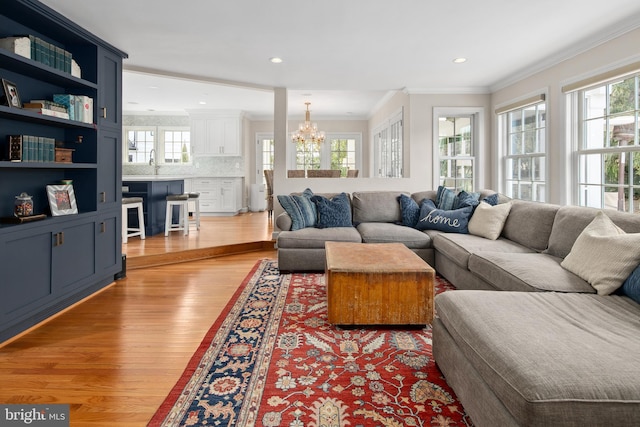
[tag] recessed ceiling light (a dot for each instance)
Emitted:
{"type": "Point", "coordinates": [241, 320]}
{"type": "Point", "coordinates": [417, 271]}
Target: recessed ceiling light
{"type": "Point", "coordinates": [202, 102]}
{"type": "Point", "coordinates": [460, 60]}
{"type": "Point", "coordinates": [153, 87]}
{"type": "Point", "coordinates": [275, 60]}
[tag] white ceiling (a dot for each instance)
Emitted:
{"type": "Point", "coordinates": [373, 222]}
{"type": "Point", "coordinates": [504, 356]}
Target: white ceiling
{"type": "Point", "coordinates": [344, 57]}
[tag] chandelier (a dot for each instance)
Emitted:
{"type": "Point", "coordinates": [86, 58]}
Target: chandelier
{"type": "Point", "coordinates": [307, 131]}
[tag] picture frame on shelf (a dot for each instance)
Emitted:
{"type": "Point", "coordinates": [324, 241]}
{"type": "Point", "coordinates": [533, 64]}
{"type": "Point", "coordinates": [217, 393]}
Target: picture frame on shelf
{"type": "Point", "coordinates": [62, 200]}
{"type": "Point", "coordinates": [11, 96]}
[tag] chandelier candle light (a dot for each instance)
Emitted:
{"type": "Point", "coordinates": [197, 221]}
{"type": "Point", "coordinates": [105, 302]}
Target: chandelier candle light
{"type": "Point", "coordinates": [308, 131]}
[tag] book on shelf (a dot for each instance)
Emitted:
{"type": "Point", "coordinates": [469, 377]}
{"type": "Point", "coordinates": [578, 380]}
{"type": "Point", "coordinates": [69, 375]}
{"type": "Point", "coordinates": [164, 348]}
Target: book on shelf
{"type": "Point", "coordinates": [48, 112]}
{"type": "Point", "coordinates": [43, 103]}
{"type": "Point", "coordinates": [79, 107]}
{"type": "Point", "coordinates": [37, 49]}
{"type": "Point", "coordinates": [29, 148]}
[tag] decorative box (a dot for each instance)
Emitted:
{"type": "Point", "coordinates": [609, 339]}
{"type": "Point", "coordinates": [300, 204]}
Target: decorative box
{"type": "Point", "coordinates": [64, 155]}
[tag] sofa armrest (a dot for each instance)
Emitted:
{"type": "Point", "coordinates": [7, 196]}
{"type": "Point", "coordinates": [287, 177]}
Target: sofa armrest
{"type": "Point", "coordinates": [283, 222]}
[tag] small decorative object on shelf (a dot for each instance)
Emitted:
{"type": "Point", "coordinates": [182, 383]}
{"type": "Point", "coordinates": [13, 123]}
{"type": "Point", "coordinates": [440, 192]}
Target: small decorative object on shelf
{"type": "Point", "coordinates": [10, 97]}
{"type": "Point", "coordinates": [23, 205]}
{"type": "Point", "coordinates": [64, 155]}
{"type": "Point", "coordinates": [62, 200]}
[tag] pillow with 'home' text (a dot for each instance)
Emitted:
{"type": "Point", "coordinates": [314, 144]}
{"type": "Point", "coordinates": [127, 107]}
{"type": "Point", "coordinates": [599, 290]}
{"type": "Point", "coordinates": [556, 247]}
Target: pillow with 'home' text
{"type": "Point", "coordinates": [451, 221]}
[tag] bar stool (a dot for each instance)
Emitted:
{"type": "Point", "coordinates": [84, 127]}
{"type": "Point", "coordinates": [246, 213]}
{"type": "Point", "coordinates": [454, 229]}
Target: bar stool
{"type": "Point", "coordinates": [132, 203]}
{"type": "Point", "coordinates": [181, 200]}
{"type": "Point", "coordinates": [195, 198]}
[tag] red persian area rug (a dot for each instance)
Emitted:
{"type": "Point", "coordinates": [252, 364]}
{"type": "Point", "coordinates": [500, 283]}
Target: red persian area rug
{"type": "Point", "coordinates": [272, 359]}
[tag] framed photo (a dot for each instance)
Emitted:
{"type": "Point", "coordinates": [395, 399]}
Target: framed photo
{"type": "Point", "coordinates": [11, 96]}
{"type": "Point", "coordinates": [62, 200]}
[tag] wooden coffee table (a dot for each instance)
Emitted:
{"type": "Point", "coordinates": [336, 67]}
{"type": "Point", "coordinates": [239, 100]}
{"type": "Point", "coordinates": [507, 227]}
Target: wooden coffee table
{"type": "Point", "coordinates": [377, 284]}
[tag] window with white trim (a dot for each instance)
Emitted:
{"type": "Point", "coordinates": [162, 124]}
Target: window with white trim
{"type": "Point", "coordinates": [523, 133]}
{"type": "Point", "coordinates": [388, 143]}
{"type": "Point", "coordinates": [608, 154]}
{"type": "Point", "coordinates": [456, 152]}
{"type": "Point", "coordinates": [338, 151]}
{"type": "Point", "coordinates": [163, 145]}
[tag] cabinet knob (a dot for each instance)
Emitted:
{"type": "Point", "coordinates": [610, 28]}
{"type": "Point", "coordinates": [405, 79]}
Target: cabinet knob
{"type": "Point", "coordinates": [104, 112]}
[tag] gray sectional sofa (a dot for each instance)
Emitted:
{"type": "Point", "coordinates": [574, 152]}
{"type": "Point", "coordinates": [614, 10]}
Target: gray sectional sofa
{"type": "Point", "coordinates": [544, 350]}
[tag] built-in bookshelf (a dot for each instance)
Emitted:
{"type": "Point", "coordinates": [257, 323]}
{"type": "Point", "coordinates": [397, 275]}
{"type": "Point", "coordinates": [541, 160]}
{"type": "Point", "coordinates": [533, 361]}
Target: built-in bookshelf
{"type": "Point", "coordinates": [53, 262]}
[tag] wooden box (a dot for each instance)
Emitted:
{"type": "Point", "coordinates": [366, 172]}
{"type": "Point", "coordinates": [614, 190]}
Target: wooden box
{"type": "Point", "coordinates": [377, 284]}
{"type": "Point", "coordinates": [64, 155]}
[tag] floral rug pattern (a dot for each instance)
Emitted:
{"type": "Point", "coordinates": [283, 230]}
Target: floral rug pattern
{"type": "Point", "coordinates": [273, 360]}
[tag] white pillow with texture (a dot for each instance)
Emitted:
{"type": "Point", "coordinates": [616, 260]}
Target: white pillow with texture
{"type": "Point", "coordinates": [488, 221]}
{"type": "Point", "coordinates": [604, 255]}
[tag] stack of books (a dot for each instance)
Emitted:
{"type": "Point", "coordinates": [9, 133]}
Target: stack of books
{"type": "Point", "coordinates": [48, 108]}
{"type": "Point", "coordinates": [28, 148]}
{"type": "Point", "coordinates": [37, 49]}
{"type": "Point", "coordinates": [79, 107]}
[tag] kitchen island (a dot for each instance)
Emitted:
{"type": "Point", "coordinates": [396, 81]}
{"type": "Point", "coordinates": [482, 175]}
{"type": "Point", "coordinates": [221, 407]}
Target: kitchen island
{"type": "Point", "coordinates": [154, 191]}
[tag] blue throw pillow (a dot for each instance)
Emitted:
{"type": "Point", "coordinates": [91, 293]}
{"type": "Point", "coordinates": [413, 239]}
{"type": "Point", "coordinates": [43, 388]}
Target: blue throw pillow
{"type": "Point", "coordinates": [445, 198]}
{"type": "Point", "coordinates": [492, 199]}
{"type": "Point", "coordinates": [464, 199]}
{"type": "Point", "coordinates": [300, 208]}
{"type": "Point", "coordinates": [409, 209]}
{"type": "Point", "coordinates": [631, 286]}
{"type": "Point", "coordinates": [452, 221]}
{"type": "Point", "coordinates": [333, 213]}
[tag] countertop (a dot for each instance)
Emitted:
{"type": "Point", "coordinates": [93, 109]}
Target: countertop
{"type": "Point", "coordinates": [152, 178]}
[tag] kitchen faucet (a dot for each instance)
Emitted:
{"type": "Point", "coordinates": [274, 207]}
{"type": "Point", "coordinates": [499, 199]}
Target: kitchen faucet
{"type": "Point", "coordinates": [152, 160]}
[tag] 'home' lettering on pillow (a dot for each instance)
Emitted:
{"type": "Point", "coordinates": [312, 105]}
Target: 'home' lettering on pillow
{"type": "Point", "coordinates": [439, 219]}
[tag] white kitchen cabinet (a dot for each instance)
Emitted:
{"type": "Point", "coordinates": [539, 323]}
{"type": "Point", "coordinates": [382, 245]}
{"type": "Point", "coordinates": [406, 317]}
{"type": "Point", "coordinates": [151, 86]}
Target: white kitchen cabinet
{"type": "Point", "coordinates": [219, 195]}
{"type": "Point", "coordinates": [216, 135]}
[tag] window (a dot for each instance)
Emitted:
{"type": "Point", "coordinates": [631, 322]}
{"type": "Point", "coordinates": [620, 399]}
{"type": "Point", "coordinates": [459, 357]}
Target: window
{"type": "Point", "coordinates": [608, 155]}
{"type": "Point", "coordinates": [264, 155]}
{"type": "Point", "coordinates": [139, 143]}
{"type": "Point", "coordinates": [177, 146]}
{"type": "Point", "coordinates": [387, 140]}
{"type": "Point", "coordinates": [160, 144]}
{"type": "Point", "coordinates": [456, 152]}
{"type": "Point", "coordinates": [523, 131]}
{"type": "Point", "coordinates": [338, 151]}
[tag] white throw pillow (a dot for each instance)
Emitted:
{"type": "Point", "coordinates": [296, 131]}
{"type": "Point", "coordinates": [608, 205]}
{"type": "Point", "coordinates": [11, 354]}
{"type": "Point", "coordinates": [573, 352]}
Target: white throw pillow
{"type": "Point", "coordinates": [487, 221]}
{"type": "Point", "coordinates": [604, 255]}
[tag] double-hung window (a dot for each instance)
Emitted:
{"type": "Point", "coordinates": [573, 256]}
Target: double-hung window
{"type": "Point", "coordinates": [523, 129]}
{"type": "Point", "coordinates": [608, 153]}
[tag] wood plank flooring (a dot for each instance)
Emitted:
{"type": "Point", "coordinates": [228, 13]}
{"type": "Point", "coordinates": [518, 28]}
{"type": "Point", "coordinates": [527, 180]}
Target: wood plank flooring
{"type": "Point", "coordinates": [115, 356]}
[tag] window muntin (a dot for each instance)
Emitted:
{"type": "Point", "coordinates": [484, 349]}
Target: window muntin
{"type": "Point", "coordinates": [456, 152]}
{"type": "Point", "coordinates": [525, 161]}
{"type": "Point", "coordinates": [343, 154]}
{"type": "Point", "coordinates": [608, 153]}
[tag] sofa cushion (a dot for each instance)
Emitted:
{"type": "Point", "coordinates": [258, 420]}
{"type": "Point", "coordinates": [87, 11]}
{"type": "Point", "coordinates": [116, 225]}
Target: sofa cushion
{"type": "Point", "coordinates": [314, 238]}
{"type": "Point", "coordinates": [571, 220]}
{"type": "Point", "coordinates": [451, 221]}
{"type": "Point", "coordinates": [530, 223]}
{"type": "Point", "coordinates": [382, 232]}
{"type": "Point", "coordinates": [487, 220]}
{"type": "Point", "coordinates": [445, 198]}
{"type": "Point", "coordinates": [409, 210]}
{"type": "Point", "coordinates": [376, 206]}
{"type": "Point", "coordinates": [525, 272]}
{"type": "Point", "coordinates": [334, 212]}
{"type": "Point", "coordinates": [458, 247]}
{"type": "Point", "coordinates": [604, 255]}
{"type": "Point", "coordinates": [551, 359]}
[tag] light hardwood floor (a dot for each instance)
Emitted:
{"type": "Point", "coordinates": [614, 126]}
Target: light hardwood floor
{"type": "Point", "coordinates": [115, 356]}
